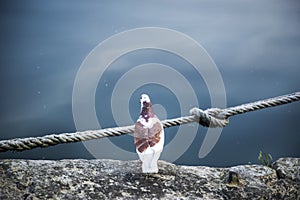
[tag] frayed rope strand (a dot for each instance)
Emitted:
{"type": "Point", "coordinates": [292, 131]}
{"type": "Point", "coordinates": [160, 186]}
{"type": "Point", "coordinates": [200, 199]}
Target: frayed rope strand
{"type": "Point", "coordinates": [212, 117]}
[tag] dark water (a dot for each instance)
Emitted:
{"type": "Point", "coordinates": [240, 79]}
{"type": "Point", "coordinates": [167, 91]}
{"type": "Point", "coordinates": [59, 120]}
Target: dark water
{"type": "Point", "coordinates": [255, 45]}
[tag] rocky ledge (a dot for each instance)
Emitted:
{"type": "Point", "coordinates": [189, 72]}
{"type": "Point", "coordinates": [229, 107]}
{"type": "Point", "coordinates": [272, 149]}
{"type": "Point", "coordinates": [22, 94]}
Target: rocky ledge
{"type": "Point", "coordinates": [113, 179]}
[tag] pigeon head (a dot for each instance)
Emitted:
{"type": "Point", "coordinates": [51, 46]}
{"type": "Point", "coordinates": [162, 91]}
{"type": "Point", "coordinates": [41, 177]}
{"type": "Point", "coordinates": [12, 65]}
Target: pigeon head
{"type": "Point", "coordinates": [146, 107]}
{"type": "Point", "coordinates": [144, 98]}
{"type": "Point", "coordinates": [145, 101]}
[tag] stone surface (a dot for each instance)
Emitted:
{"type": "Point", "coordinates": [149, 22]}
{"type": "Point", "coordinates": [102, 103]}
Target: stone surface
{"type": "Point", "coordinates": [288, 168]}
{"type": "Point", "coordinates": [113, 179]}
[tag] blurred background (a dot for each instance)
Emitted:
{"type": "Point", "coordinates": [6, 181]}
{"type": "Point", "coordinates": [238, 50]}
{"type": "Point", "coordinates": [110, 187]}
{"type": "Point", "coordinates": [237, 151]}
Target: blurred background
{"type": "Point", "coordinates": [255, 45]}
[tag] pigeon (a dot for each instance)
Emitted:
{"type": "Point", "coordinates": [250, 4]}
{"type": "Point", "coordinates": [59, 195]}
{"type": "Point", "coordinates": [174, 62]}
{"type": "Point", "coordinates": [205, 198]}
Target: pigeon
{"type": "Point", "coordinates": [148, 136]}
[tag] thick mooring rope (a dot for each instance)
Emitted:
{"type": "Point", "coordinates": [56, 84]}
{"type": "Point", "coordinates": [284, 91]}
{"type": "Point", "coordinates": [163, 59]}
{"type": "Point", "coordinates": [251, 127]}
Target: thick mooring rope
{"type": "Point", "coordinates": [213, 117]}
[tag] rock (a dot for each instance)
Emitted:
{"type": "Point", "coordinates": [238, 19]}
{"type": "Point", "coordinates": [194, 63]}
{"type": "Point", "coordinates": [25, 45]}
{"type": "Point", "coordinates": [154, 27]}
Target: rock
{"type": "Point", "coordinates": [288, 168]}
{"type": "Point", "coordinates": [113, 179]}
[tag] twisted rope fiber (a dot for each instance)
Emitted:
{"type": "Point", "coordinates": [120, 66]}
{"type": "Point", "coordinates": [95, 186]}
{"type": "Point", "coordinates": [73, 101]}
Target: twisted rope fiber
{"type": "Point", "coordinates": [213, 117]}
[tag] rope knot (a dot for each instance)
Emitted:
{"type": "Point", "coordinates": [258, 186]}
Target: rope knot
{"type": "Point", "coordinates": [212, 117]}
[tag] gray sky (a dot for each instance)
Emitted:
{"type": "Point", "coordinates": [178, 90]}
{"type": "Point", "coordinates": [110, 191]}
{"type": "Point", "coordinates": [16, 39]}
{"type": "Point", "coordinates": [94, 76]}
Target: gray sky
{"type": "Point", "coordinates": [255, 45]}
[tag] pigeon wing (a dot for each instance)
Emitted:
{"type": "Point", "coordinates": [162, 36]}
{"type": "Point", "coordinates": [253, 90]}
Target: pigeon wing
{"type": "Point", "coordinates": [141, 138]}
{"type": "Point", "coordinates": [155, 133]}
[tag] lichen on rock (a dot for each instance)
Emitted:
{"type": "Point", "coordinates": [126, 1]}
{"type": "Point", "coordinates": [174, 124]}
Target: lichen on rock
{"type": "Point", "coordinates": [113, 179]}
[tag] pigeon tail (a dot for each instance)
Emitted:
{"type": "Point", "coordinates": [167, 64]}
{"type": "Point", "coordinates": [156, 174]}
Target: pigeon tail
{"type": "Point", "coordinates": [149, 161]}
{"type": "Point", "coordinates": [149, 169]}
